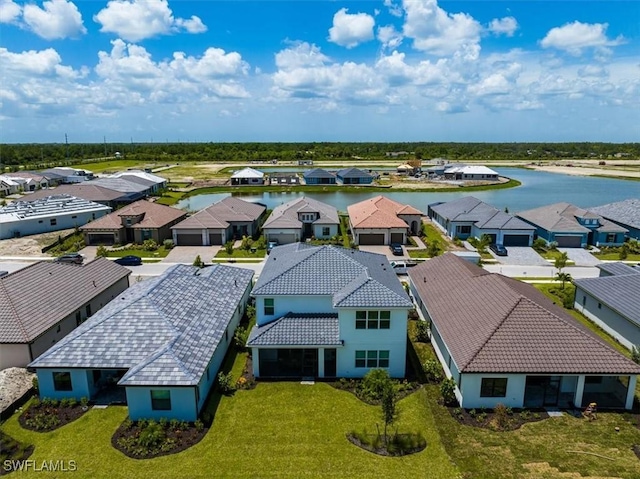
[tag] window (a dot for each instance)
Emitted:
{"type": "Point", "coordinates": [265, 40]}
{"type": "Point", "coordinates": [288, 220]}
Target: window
{"type": "Point", "coordinates": [584, 300]}
{"type": "Point", "coordinates": [372, 359]}
{"type": "Point", "coordinates": [62, 382]}
{"type": "Point", "coordinates": [78, 318]}
{"type": "Point", "coordinates": [88, 308]}
{"type": "Point", "coordinates": [39, 221]}
{"type": "Point", "coordinates": [599, 305]}
{"type": "Point", "coordinates": [611, 238]}
{"type": "Point", "coordinates": [326, 231]}
{"type": "Point", "coordinates": [74, 217]}
{"type": "Point", "coordinates": [493, 388]}
{"type": "Point", "coordinates": [53, 221]}
{"type": "Point", "coordinates": [463, 230]}
{"type": "Point", "coordinates": [269, 307]}
{"type": "Point", "coordinates": [373, 319]}
{"type": "Point", "coordinates": [161, 400]}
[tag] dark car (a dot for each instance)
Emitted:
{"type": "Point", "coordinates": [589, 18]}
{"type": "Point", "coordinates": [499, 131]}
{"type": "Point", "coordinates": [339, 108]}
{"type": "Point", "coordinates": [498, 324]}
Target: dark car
{"type": "Point", "coordinates": [498, 249]}
{"type": "Point", "coordinates": [396, 249]}
{"type": "Point", "coordinates": [75, 258]}
{"type": "Point", "coordinates": [271, 245]}
{"type": "Point", "coordinates": [130, 260]}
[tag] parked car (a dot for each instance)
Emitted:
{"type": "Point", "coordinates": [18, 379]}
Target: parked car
{"type": "Point", "coordinates": [400, 267]}
{"type": "Point", "coordinates": [271, 245]}
{"type": "Point", "coordinates": [75, 258]}
{"type": "Point", "coordinates": [130, 260]}
{"type": "Point", "coordinates": [498, 249]}
{"type": "Point", "coordinates": [396, 249]}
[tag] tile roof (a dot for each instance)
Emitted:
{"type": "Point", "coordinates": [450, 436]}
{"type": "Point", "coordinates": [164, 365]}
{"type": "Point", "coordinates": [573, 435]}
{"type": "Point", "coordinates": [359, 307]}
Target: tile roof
{"type": "Point", "coordinates": [621, 292]}
{"type": "Point", "coordinates": [86, 190]}
{"type": "Point", "coordinates": [150, 178]}
{"type": "Point", "coordinates": [561, 217]}
{"type": "Point", "coordinates": [318, 173]}
{"type": "Point", "coordinates": [495, 324]}
{"type": "Point", "coordinates": [247, 173]}
{"type": "Point", "coordinates": [469, 208]}
{"type": "Point", "coordinates": [379, 212]}
{"type": "Point", "coordinates": [121, 184]}
{"type": "Point", "coordinates": [353, 278]}
{"type": "Point", "coordinates": [286, 215]}
{"type": "Point", "coordinates": [353, 173]}
{"type": "Point", "coordinates": [471, 170]}
{"type": "Point", "coordinates": [320, 329]}
{"type": "Point", "coordinates": [626, 212]}
{"type": "Point", "coordinates": [155, 215]}
{"type": "Point", "coordinates": [222, 213]}
{"type": "Point", "coordinates": [163, 330]}
{"type": "Point", "coordinates": [37, 297]}
{"type": "Point", "coordinates": [618, 268]}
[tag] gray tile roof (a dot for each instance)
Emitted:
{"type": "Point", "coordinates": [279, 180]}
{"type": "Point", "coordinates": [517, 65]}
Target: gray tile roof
{"type": "Point", "coordinates": [298, 330]}
{"type": "Point", "coordinates": [318, 173]}
{"type": "Point", "coordinates": [353, 278]}
{"type": "Point", "coordinates": [561, 217]}
{"type": "Point", "coordinates": [495, 324]}
{"type": "Point", "coordinates": [286, 215]}
{"type": "Point", "coordinates": [35, 298]}
{"type": "Point", "coordinates": [120, 184]}
{"type": "Point", "coordinates": [621, 292]}
{"type": "Point", "coordinates": [618, 268]}
{"type": "Point", "coordinates": [483, 215]}
{"type": "Point", "coordinates": [163, 330]}
{"type": "Point", "coordinates": [222, 214]}
{"type": "Point", "coordinates": [353, 173]}
{"type": "Point", "coordinates": [86, 190]}
{"type": "Point", "coordinates": [626, 212]}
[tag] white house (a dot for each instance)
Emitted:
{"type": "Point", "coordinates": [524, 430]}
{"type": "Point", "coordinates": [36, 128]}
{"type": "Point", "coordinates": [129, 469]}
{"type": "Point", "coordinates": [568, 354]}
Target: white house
{"type": "Point", "coordinates": [612, 301]}
{"type": "Point", "coordinates": [471, 172]}
{"type": "Point", "coordinates": [299, 219]}
{"type": "Point", "coordinates": [324, 311]}
{"type": "Point", "coordinates": [247, 176]}
{"type": "Point", "coordinates": [503, 342]}
{"type": "Point", "coordinates": [51, 213]}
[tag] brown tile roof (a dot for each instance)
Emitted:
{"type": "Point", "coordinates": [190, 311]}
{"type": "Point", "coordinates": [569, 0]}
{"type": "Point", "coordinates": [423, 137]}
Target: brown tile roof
{"type": "Point", "coordinates": [379, 212]}
{"type": "Point", "coordinates": [220, 214]}
{"type": "Point", "coordinates": [494, 324]}
{"type": "Point", "coordinates": [37, 297]}
{"type": "Point", "coordinates": [155, 216]}
{"type": "Point", "coordinates": [85, 191]}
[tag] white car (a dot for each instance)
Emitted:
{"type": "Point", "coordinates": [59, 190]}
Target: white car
{"type": "Point", "coordinates": [400, 267]}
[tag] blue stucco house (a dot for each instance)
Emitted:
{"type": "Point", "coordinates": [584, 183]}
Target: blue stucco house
{"type": "Point", "coordinates": [326, 312]}
{"type": "Point", "coordinates": [159, 344]}
{"type": "Point", "coordinates": [354, 176]}
{"type": "Point", "coordinates": [623, 213]}
{"type": "Point", "coordinates": [318, 176]}
{"type": "Point", "coordinates": [572, 227]}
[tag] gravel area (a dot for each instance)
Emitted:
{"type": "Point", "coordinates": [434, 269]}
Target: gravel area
{"type": "Point", "coordinates": [30, 245]}
{"type": "Point", "coordinates": [14, 382]}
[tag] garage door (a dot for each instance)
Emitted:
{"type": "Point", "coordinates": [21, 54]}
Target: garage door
{"type": "Point", "coordinates": [370, 239]}
{"type": "Point", "coordinates": [516, 240]}
{"type": "Point", "coordinates": [283, 238]}
{"type": "Point", "coordinates": [569, 241]}
{"type": "Point", "coordinates": [104, 239]}
{"type": "Point", "coordinates": [189, 239]}
{"type": "Point", "coordinates": [215, 238]}
{"type": "Point", "coordinates": [397, 238]}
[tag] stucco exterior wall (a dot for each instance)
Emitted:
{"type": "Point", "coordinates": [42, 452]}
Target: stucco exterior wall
{"type": "Point", "coordinates": [79, 383]}
{"type": "Point", "coordinates": [297, 304]}
{"type": "Point", "coordinates": [36, 225]}
{"type": "Point", "coordinates": [183, 403]}
{"type": "Point", "coordinates": [317, 231]}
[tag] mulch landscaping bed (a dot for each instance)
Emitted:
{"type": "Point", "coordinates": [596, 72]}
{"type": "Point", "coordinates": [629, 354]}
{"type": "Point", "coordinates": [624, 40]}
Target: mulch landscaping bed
{"type": "Point", "coordinates": [487, 418]}
{"type": "Point", "coordinates": [129, 438]}
{"type": "Point", "coordinates": [44, 417]}
{"type": "Point", "coordinates": [12, 450]}
{"type": "Point", "coordinates": [404, 388]}
{"type": "Point", "coordinates": [383, 451]}
{"type": "Point", "coordinates": [247, 380]}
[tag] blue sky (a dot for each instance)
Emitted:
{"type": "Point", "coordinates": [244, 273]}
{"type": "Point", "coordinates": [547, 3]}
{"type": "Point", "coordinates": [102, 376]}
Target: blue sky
{"type": "Point", "coordinates": [389, 70]}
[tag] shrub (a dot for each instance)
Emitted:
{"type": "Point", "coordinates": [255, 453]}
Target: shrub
{"type": "Point", "coordinates": [448, 390]}
{"type": "Point", "coordinates": [34, 384]}
{"type": "Point", "coordinates": [432, 370]}
{"type": "Point", "coordinates": [422, 332]}
{"type": "Point", "coordinates": [199, 425]}
{"type": "Point", "coordinates": [228, 247]}
{"type": "Point", "coordinates": [433, 248]}
{"type": "Point", "coordinates": [246, 243]}
{"type": "Point", "coordinates": [373, 384]}
{"type": "Point", "coordinates": [198, 263]}
{"type": "Point", "coordinates": [102, 251]}
{"type": "Point", "coordinates": [540, 245]}
{"type": "Point", "coordinates": [225, 383]}
{"type": "Point", "coordinates": [174, 424]}
{"type": "Point", "coordinates": [149, 245]}
{"type": "Point", "coordinates": [168, 244]}
{"type": "Point", "coordinates": [64, 402]}
{"type": "Point", "coordinates": [240, 337]}
{"type": "Point", "coordinates": [525, 414]}
{"type": "Point", "coordinates": [84, 402]}
{"type": "Point", "coordinates": [624, 252]}
{"type": "Point", "coordinates": [501, 416]}
{"type": "Point", "coordinates": [152, 435]}
{"type": "Point", "coordinates": [260, 243]}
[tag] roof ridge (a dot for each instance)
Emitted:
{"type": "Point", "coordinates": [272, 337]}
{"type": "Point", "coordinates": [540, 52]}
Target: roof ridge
{"type": "Point", "coordinates": [268, 326]}
{"type": "Point", "coordinates": [492, 333]}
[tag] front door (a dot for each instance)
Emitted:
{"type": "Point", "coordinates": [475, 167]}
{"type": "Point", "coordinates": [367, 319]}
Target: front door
{"type": "Point", "coordinates": [329, 363]}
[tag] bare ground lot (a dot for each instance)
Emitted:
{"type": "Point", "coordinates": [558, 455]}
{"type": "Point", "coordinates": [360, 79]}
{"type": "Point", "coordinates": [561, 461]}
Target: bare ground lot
{"type": "Point", "coordinates": [30, 245]}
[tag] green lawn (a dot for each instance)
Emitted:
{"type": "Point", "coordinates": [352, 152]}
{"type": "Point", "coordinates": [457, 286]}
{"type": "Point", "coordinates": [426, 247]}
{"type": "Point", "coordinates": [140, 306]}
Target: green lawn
{"type": "Point", "coordinates": [161, 252]}
{"type": "Point", "coordinates": [170, 198]}
{"type": "Point", "coordinates": [553, 254]}
{"type": "Point", "coordinates": [616, 256]}
{"type": "Point", "coordinates": [241, 253]}
{"type": "Point", "coordinates": [113, 166]}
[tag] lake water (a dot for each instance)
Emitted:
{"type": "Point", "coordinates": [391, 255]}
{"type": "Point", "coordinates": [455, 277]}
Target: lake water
{"type": "Point", "coordinates": [538, 188]}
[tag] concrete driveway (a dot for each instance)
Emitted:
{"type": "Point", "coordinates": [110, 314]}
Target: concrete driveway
{"type": "Point", "coordinates": [522, 256]}
{"type": "Point", "coordinates": [384, 250]}
{"type": "Point", "coordinates": [581, 257]}
{"type": "Point", "coordinates": [187, 254]}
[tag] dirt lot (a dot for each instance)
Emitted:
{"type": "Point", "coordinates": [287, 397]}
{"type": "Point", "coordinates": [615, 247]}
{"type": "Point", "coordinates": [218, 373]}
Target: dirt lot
{"type": "Point", "coordinates": [14, 382]}
{"type": "Point", "coordinates": [589, 171]}
{"type": "Point", "coordinates": [30, 245]}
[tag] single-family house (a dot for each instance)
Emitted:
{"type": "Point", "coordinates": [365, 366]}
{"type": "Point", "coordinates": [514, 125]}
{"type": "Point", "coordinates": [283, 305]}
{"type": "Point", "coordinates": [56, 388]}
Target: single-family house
{"type": "Point", "coordinates": [67, 175]}
{"type": "Point", "coordinates": [284, 179]}
{"type": "Point", "coordinates": [623, 213]}
{"type": "Point", "coordinates": [469, 217]}
{"type": "Point", "coordinates": [299, 219]}
{"type": "Point", "coordinates": [43, 302]}
{"type": "Point", "coordinates": [33, 179]}
{"type": "Point", "coordinates": [318, 176]}
{"type": "Point", "coordinates": [470, 173]}
{"type": "Point", "coordinates": [228, 219]}
{"type": "Point", "coordinates": [9, 186]}
{"type": "Point", "coordinates": [133, 223]}
{"type": "Point", "coordinates": [354, 176]}
{"type": "Point", "coordinates": [154, 183]}
{"type": "Point", "coordinates": [612, 301]}
{"type": "Point", "coordinates": [159, 344]}
{"type": "Point", "coordinates": [573, 227]}
{"type": "Point", "coordinates": [132, 190]}
{"type": "Point", "coordinates": [503, 342]}
{"type": "Point", "coordinates": [325, 311]}
{"type": "Point", "coordinates": [247, 176]}
{"type": "Point", "coordinates": [87, 191]}
{"type": "Point", "coordinates": [380, 221]}
{"type": "Point", "coordinates": [405, 169]}
{"type": "Point", "coordinates": [51, 213]}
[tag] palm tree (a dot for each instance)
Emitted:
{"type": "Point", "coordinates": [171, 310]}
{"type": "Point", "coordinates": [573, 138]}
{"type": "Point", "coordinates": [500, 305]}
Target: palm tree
{"type": "Point", "coordinates": [564, 277]}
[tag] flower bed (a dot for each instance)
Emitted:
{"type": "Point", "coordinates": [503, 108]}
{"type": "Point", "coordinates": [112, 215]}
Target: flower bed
{"type": "Point", "coordinates": [397, 445]}
{"type": "Point", "coordinates": [499, 419]}
{"type": "Point", "coordinates": [358, 389]}
{"type": "Point", "coordinates": [50, 414]}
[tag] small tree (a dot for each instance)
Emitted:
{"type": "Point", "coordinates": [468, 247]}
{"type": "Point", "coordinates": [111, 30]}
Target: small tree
{"type": "Point", "coordinates": [448, 390]}
{"type": "Point", "coordinates": [149, 245]}
{"type": "Point", "coordinates": [635, 354]}
{"type": "Point", "coordinates": [561, 261]}
{"type": "Point", "coordinates": [422, 331]}
{"type": "Point", "coordinates": [228, 247]}
{"type": "Point", "coordinates": [539, 244]}
{"type": "Point", "coordinates": [482, 243]}
{"type": "Point", "coordinates": [564, 277]}
{"type": "Point", "coordinates": [389, 407]}
{"type": "Point", "coordinates": [624, 252]}
{"type": "Point", "coordinates": [246, 243]}
{"type": "Point", "coordinates": [433, 249]}
{"type": "Point", "coordinates": [102, 252]}
{"type": "Point", "coordinates": [198, 263]}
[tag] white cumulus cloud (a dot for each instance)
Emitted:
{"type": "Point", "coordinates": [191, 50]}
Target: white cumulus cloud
{"type": "Point", "coordinates": [300, 54]}
{"type": "Point", "coordinates": [389, 37]}
{"type": "Point", "coordinates": [56, 19]}
{"type": "Point", "coordinates": [441, 33]}
{"type": "Point", "coordinates": [503, 26]}
{"type": "Point", "coordinates": [394, 9]}
{"type": "Point", "coordinates": [349, 30]}
{"type": "Point", "coordinates": [136, 20]}
{"type": "Point", "coordinates": [576, 36]}
{"type": "Point", "coordinates": [9, 11]}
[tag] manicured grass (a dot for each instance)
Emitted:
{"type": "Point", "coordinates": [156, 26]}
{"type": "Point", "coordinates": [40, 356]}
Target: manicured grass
{"type": "Point", "coordinates": [616, 256]}
{"type": "Point", "coordinates": [241, 253]}
{"type": "Point", "coordinates": [113, 165]}
{"type": "Point", "coordinates": [170, 198]}
{"type": "Point", "coordinates": [161, 252]}
{"type": "Point", "coordinates": [552, 255]}
{"type": "Point", "coordinates": [418, 253]}
{"type": "Point", "coordinates": [432, 233]}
